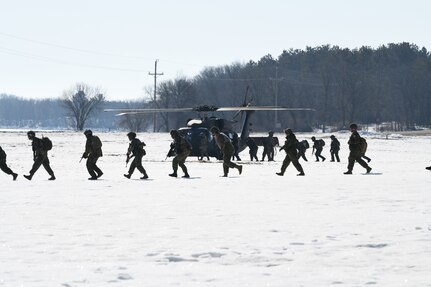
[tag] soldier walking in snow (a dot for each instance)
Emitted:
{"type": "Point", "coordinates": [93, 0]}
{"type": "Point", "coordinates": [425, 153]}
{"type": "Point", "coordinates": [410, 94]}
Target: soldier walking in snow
{"type": "Point", "coordinates": [203, 146]}
{"type": "Point", "coordinates": [253, 148]}
{"type": "Point", "coordinates": [226, 147]}
{"type": "Point", "coordinates": [318, 146]}
{"type": "Point", "coordinates": [40, 156]}
{"type": "Point", "coordinates": [291, 153]}
{"type": "Point", "coordinates": [355, 150]}
{"type": "Point", "coordinates": [93, 150]}
{"type": "Point", "coordinates": [268, 147]}
{"type": "Point", "coordinates": [182, 148]}
{"type": "Point", "coordinates": [335, 148]}
{"type": "Point", "coordinates": [136, 151]}
{"type": "Point", "coordinates": [3, 165]}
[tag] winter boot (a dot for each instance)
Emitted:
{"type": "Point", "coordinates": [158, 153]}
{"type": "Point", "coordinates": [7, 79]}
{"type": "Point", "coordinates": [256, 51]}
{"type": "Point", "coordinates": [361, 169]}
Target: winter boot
{"type": "Point", "coordinates": [14, 175]}
{"type": "Point", "coordinates": [28, 176]}
{"type": "Point", "coordinates": [127, 175]}
{"type": "Point", "coordinates": [52, 177]}
{"type": "Point", "coordinates": [174, 174]}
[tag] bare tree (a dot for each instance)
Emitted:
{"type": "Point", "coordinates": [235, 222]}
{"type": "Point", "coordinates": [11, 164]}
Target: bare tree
{"type": "Point", "coordinates": [82, 102]}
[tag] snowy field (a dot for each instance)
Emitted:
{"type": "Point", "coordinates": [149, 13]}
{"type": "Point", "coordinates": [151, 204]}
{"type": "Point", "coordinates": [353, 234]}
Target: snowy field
{"type": "Point", "coordinates": [257, 229]}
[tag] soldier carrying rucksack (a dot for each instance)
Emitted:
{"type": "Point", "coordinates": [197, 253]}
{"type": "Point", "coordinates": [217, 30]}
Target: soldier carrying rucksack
{"type": "Point", "coordinates": [302, 147]}
{"type": "Point", "coordinates": [136, 151]}
{"type": "Point", "coordinates": [318, 146]}
{"type": "Point", "coordinates": [40, 155]}
{"type": "Point", "coordinates": [181, 149]}
{"type": "Point", "coordinates": [93, 150]}
{"type": "Point", "coordinates": [335, 148]}
{"type": "Point", "coordinates": [289, 147]}
{"type": "Point", "coordinates": [355, 150]}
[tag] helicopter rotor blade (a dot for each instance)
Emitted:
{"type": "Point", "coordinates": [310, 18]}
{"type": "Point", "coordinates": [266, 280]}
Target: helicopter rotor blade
{"type": "Point", "coordinates": [262, 108]}
{"type": "Point", "coordinates": [122, 112]}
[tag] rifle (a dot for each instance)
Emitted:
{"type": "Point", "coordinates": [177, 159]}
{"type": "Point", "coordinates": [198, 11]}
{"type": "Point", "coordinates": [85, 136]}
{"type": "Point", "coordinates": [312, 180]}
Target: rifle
{"type": "Point", "coordinates": [171, 151]}
{"type": "Point", "coordinates": [128, 159]}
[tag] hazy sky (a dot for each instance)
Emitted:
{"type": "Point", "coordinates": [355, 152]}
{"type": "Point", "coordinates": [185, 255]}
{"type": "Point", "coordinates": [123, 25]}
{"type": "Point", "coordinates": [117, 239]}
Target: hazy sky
{"type": "Point", "coordinates": [46, 46]}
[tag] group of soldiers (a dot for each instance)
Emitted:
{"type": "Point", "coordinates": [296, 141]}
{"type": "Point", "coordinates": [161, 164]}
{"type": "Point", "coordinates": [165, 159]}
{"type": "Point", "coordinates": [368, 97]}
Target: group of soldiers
{"type": "Point", "coordinates": [294, 151]}
{"type": "Point", "coordinates": [40, 148]}
{"type": "Point", "coordinates": [181, 149]}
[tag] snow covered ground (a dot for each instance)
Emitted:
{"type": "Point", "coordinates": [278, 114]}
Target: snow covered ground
{"type": "Point", "coordinates": [257, 229]}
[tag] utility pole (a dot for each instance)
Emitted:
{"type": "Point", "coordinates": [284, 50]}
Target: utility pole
{"type": "Point", "coordinates": [155, 74]}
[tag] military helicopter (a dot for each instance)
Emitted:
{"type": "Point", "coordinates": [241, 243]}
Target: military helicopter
{"type": "Point", "coordinates": [197, 129]}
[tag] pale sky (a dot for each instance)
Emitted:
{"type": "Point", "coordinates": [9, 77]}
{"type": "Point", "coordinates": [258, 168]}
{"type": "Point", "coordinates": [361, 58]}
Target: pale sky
{"type": "Point", "coordinates": [47, 46]}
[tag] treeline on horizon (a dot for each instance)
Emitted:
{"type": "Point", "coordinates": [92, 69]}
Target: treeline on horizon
{"type": "Point", "coordinates": [391, 83]}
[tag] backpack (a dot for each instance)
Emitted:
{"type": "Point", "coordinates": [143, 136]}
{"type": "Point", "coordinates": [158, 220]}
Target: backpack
{"type": "Point", "coordinates": [141, 147]}
{"type": "Point", "coordinates": [46, 143]}
{"type": "Point", "coordinates": [322, 143]}
{"type": "Point", "coordinates": [96, 143]}
{"type": "Point", "coordinates": [363, 145]}
{"type": "Point", "coordinates": [302, 145]}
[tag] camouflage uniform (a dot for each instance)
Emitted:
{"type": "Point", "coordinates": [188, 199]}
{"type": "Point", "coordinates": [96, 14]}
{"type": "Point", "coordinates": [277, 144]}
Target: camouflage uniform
{"type": "Point", "coordinates": [355, 151]}
{"type": "Point", "coordinates": [335, 148]}
{"type": "Point", "coordinates": [203, 146]}
{"type": "Point", "coordinates": [226, 147]}
{"type": "Point", "coordinates": [291, 153]}
{"type": "Point", "coordinates": [182, 150]}
{"type": "Point", "coordinates": [253, 148]}
{"type": "Point", "coordinates": [318, 146]}
{"type": "Point", "coordinates": [268, 147]}
{"type": "Point", "coordinates": [40, 157]}
{"type": "Point", "coordinates": [93, 150]}
{"type": "Point", "coordinates": [136, 149]}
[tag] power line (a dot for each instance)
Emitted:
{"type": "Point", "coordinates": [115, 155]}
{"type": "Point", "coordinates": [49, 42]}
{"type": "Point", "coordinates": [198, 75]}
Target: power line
{"type": "Point", "coordinates": [71, 48]}
{"type": "Point", "coordinates": [62, 62]}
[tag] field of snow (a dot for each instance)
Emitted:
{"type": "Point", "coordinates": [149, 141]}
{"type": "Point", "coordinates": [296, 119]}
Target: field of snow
{"type": "Point", "coordinates": [254, 229]}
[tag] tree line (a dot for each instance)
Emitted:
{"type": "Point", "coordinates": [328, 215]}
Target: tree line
{"type": "Point", "coordinates": [391, 83]}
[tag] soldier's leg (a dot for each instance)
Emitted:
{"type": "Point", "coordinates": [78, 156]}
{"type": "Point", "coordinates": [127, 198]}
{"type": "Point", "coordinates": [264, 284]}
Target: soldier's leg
{"type": "Point", "coordinates": [5, 168]}
{"type": "Point", "coordinates": [37, 163]}
{"type": "Point", "coordinates": [96, 168]}
{"type": "Point", "coordinates": [132, 167]}
{"type": "Point", "coordinates": [363, 163]}
{"type": "Point", "coordinates": [175, 164]}
{"type": "Point", "coordinates": [320, 154]}
{"type": "Point", "coordinates": [47, 166]}
{"type": "Point", "coordinates": [352, 158]}
{"type": "Point", "coordinates": [91, 166]}
{"type": "Point", "coordinates": [366, 157]}
{"type": "Point", "coordinates": [284, 166]}
{"type": "Point", "coordinates": [139, 165]}
{"type": "Point", "coordinates": [336, 156]}
{"type": "Point", "coordinates": [181, 163]}
{"type": "Point", "coordinates": [271, 155]}
{"type": "Point", "coordinates": [332, 156]}
{"type": "Point", "coordinates": [297, 165]}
